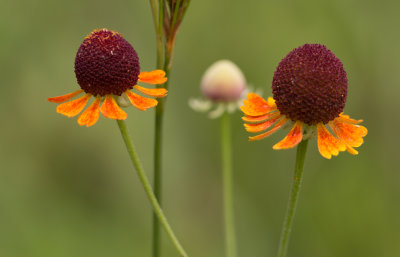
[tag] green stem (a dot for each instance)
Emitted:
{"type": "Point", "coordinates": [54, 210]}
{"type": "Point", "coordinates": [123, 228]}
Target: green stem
{"type": "Point", "coordinates": [147, 187]}
{"type": "Point", "coordinates": [158, 28]}
{"type": "Point", "coordinates": [156, 242]}
{"type": "Point", "coordinates": [158, 139]}
{"type": "Point", "coordinates": [159, 34]}
{"type": "Point", "coordinates": [294, 196]}
{"type": "Point", "coordinates": [157, 181]}
{"type": "Point", "coordinates": [230, 239]}
{"type": "Point", "coordinates": [164, 62]}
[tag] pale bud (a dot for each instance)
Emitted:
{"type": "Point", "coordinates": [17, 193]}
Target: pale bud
{"type": "Point", "coordinates": [223, 81]}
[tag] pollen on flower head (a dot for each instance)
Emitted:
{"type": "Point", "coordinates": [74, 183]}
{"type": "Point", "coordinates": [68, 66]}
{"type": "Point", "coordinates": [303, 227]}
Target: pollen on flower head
{"type": "Point", "coordinates": [106, 64]}
{"type": "Point", "coordinates": [310, 85]}
{"type": "Point", "coordinates": [223, 81]}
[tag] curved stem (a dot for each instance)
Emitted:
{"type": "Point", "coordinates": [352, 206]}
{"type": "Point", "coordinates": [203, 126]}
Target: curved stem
{"type": "Point", "coordinates": [147, 187]}
{"type": "Point", "coordinates": [294, 196]}
{"type": "Point", "coordinates": [230, 239]}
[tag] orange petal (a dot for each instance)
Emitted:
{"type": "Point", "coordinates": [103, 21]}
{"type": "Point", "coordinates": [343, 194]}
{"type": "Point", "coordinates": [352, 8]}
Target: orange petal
{"type": "Point", "coordinates": [90, 116]}
{"type": "Point", "coordinates": [268, 133]}
{"type": "Point", "coordinates": [351, 134]}
{"type": "Point", "coordinates": [258, 118]}
{"type": "Point", "coordinates": [351, 150]}
{"type": "Point", "coordinates": [328, 145]}
{"type": "Point", "coordinates": [63, 98]}
{"type": "Point", "coordinates": [255, 105]}
{"type": "Point", "coordinates": [346, 118]}
{"type": "Point", "coordinates": [156, 92]}
{"type": "Point", "coordinates": [271, 102]}
{"type": "Point", "coordinates": [254, 128]}
{"type": "Point", "coordinates": [293, 138]}
{"type": "Point", "coordinates": [153, 77]}
{"type": "Point", "coordinates": [140, 102]}
{"type": "Point", "coordinates": [111, 110]}
{"type": "Point", "coordinates": [74, 107]}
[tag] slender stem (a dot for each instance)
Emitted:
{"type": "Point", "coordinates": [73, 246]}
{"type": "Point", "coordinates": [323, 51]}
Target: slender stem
{"type": "Point", "coordinates": [158, 139]}
{"type": "Point", "coordinates": [147, 187]}
{"type": "Point", "coordinates": [159, 33]}
{"type": "Point", "coordinates": [157, 182]}
{"type": "Point", "coordinates": [175, 14]}
{"type": "Point", "coordinates": [156, 241]}
{"type": "Point", "coordinates": [164, 61]}
{"type": "Point", "coordinates": [158, 28]}
{"type": "Point", "coordinates": [230, 239]}
{"type": "Point", "coordinates": [294, 196]}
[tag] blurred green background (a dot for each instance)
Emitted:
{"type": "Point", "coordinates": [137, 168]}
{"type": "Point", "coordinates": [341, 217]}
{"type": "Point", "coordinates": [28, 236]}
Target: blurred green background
{"type": "Point", "coordinates": [67, 190]}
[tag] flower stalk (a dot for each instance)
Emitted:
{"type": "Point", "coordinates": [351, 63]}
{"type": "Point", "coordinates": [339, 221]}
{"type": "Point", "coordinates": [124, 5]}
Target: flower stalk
{"type": "Point", "coordinates": [227, 180]}
{"type": "Point", "coordinates": [147, 187]}
{"type": "Point", "coordinates": [167, 17]}
{"type": "Point", "coordinates": [293, 198]}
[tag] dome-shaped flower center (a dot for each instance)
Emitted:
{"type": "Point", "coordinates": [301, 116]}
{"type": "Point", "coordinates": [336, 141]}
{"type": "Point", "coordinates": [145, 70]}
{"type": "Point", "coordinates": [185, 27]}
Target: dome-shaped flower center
{"type": "Point", "coordinates": [310, 85]}
{"type": "Point", "coordinates": [106, 64]}
{"type": "Point", "coordinates": [223, 81]}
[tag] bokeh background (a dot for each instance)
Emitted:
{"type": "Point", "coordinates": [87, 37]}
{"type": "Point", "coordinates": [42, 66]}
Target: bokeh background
{"type": "Point", "coordinates": [67, 190]}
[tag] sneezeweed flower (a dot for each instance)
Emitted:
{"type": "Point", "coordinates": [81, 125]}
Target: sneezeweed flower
{"type": "Point", "coordinates": [223, 85]}
{"type": "Point", "coordinates": [309, 94]}
{"type": "Point", "coordinates": [107, 66]}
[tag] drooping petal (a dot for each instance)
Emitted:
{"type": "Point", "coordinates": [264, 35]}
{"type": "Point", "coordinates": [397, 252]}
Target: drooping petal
{"type": "Point", "coordinates": [268, 133]}
{"type": "Point", "coordinates": [293, 138]}
{"type": "Point", "coordinates": [217, 112]}
{"type": "Point", "coordinates": [111, 110]}
{"type": "Point", "coordinates": [254, 128]}
{"type": "Point", "coordinates": [351, 150]}
{"type": "Point", "coordinates": [140, 102]}
{"type": "Point", "coordinates": [74, 107]}
{"type": "Point", "coordinates": [259, 118]}
{"type": "Point", "coordinates": [328, 145]}
{"type": "Point", "coordinates": [63, 98]}
{"type": "Point", "coordinates": [347, 119]}
{"type": "Point", "coordinates": [255, 105]}
{"type": "Point", "coordinates": [156, 92]}
{"type": "Point", "coordinates": [90, 116]}
{"type": "Point", "coordinates": [351, 134]}
{"type": "Point", "coordinates": [153, 77]}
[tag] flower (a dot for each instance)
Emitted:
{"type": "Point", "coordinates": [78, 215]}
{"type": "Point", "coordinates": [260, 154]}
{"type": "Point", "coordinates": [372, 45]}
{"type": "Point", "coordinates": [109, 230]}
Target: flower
{"type": "Point", "coordinates": [309, 93]}
{"type": "Point", "coordinates": [107, 66]}
{"type": "Point", "coordinates": [223, 84]}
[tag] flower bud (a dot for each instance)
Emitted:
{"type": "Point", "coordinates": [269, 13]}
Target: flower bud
{"type": "Point", "coordinates": [223, 81]}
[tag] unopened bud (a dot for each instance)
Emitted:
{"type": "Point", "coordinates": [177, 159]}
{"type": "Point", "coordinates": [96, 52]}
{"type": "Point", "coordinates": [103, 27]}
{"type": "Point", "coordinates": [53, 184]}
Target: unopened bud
{"type": "Point", "coordinates": [223, 81]}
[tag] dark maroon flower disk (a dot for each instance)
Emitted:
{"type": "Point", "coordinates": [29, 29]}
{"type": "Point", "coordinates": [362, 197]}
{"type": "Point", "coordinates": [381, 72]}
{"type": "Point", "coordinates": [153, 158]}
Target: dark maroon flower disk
{"type": "Point", "coordinates": [310, 85]}
{"type": "Point", "coordinates": [106, 64]}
